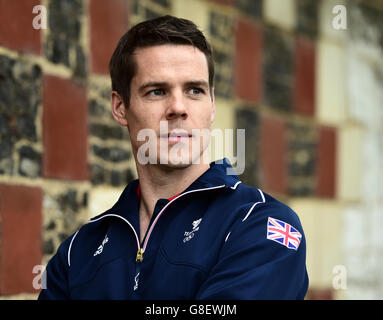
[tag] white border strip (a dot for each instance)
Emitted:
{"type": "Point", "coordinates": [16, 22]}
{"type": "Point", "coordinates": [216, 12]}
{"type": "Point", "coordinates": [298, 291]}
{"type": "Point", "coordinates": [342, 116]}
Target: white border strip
{"type": "Point", "coordinates": [251, 209]}
{"type": "Point", "coordinates": [107, 215]}
{"type": "Point", "coordinates": [235, 186]}
{"type": "Point", "coordinates": [163, 209]}
{"type": "Point", "coordinates": [70, 247]}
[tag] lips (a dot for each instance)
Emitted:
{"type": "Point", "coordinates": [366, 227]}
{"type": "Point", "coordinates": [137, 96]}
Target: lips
{"type": "Point", "coordinates": [177, 136]}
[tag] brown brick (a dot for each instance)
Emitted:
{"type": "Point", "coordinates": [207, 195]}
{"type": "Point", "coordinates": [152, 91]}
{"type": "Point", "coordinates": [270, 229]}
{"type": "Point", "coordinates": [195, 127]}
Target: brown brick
{"type": "Point", "coordinates": [248, 61]}
{"type": "Point", "coordinates": [273, 155]}
{"type": "Point", "coordinates": [320, 294]}
{"type": "Point", "coordinates": [65, 130]}
{"type": "Point", "coordinates": [21, 219]}
{"type": "Point", "coordinates": [304, 89]}
{"type": "Point", "coordinates": [326, 162]}
{"type": "Point", "coordinates": [16, 30]}
{"type": "Point", "coordinates": [108, 23]}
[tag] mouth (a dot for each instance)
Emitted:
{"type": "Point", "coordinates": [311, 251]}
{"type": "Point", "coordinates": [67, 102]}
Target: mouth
{"type": "Point", "coordinates": [177, 136]}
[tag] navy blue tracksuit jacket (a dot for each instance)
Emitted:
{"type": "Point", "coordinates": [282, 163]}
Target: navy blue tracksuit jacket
{"type": "Point", "coordinates": [219, 239]}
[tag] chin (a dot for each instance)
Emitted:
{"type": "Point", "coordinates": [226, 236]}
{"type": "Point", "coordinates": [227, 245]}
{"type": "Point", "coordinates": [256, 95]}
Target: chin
{"type": "Point", "coordinates": [180, 161]}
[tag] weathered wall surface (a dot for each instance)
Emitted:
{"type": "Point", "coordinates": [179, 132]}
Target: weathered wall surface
{"type": "Point", "coordinates": [308, 94]}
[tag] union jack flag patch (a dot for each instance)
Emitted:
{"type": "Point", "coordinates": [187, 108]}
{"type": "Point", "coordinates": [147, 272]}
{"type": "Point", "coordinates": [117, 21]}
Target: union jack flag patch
{"type": "Point", "coordinates": [283, 233]}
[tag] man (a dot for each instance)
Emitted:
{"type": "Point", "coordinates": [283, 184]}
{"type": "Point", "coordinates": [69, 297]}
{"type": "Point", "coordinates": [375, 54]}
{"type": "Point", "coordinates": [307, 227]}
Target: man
{"type": "Point", "coordinates": [185, 229]}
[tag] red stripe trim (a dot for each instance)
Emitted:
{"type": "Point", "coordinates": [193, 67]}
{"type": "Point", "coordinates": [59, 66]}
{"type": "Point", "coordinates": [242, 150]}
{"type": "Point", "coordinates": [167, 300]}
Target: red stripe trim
{"type": "Point", "coordinates": [139, 194]}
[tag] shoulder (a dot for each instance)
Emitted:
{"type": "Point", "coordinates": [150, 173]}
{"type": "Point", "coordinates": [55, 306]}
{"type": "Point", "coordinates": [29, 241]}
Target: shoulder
{"type": "Point", "coordinates": [258, 205]}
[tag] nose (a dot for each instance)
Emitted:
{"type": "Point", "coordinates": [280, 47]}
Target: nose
{"type": "Point", "coordinates": [176, 107]}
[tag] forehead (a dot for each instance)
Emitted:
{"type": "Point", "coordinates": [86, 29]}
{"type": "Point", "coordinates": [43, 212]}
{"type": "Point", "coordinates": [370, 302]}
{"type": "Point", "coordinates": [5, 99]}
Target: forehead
{"type": "Point", "coordinates": [170, 62]}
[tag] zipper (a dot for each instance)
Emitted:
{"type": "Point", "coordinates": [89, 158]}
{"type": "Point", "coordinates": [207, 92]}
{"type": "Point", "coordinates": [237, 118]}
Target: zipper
{"type": "Point", "coordinates": [141, 250]}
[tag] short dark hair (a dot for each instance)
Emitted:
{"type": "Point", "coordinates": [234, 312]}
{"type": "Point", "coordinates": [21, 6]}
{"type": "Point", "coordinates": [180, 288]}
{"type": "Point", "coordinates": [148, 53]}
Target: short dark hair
{"type": "Point", "coordinates": [158, 31]}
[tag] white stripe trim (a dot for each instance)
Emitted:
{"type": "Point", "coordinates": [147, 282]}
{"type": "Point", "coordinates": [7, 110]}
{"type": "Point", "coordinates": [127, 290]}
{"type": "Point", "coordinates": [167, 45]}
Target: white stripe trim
{"type": "Point", "coordinates": [152, 226]}
{"type": "Point", "coordinates": [107, 215]}
{"type": "Point", "coordinates": [251, 209]}
{"type": "Point", "coordinates": [70, 247]}
{"type": "Point", "coordinates": [262, 195]}
{"type": "Point", "coordinates": [163, 209]}
{"type": "Point", "coordinates": [227, 236]}
{"type": "Point", "coordinates": [118, 216]}
{"type": "Point", "coordinates": [235, 186]}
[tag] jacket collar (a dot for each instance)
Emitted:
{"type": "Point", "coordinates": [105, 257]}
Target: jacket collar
{"type": "Point", "coordinates": [215, 176]}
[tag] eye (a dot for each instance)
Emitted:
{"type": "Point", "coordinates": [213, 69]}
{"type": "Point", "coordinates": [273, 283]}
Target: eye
{"type": "Point", "coordinates": [195, 91]}
{"type": "Point", "coordinates": [156, 92]}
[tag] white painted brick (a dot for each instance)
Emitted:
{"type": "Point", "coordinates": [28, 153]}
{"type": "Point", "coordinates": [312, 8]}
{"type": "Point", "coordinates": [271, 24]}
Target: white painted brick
{"type": "Point", "coordinates": [224, 120]}
{"type": "Point", "coordinates": [331, 83]}
{"type": "Point", "coordinates": [280, 13]}
{"type": "Point", "coordinates": [350, 163]}
{"type": "Point", "coordinates": [321, 221]}
{"type": "Point", "coordinates": [196, 11]}
{"type": "Point", "coordinates": [365, 81]}
{"type": "Point", "coordinates": [102, 199]}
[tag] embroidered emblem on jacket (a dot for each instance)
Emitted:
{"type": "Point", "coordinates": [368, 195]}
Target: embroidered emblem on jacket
{"type": "Point", "coordinates": [101, 247]}
{"type": "Point", "coordinates": [136, 282]}
{"type": "Point", "coordinates": [190, 234]}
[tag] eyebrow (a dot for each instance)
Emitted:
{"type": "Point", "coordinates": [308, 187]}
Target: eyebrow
{"type": "Point", "coordinates": [151, 84]}
{"type": "Point", "coordinates": [154, 84]}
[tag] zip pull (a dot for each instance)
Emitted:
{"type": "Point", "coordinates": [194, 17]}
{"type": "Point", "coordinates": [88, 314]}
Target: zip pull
{"type": "Point", "coordinates": [140, 254]}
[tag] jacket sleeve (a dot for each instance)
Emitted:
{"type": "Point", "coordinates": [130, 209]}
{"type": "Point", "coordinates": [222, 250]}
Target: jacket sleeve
{"type": "Point", "coordinates": [56, 275]}
{"type": "Point", "coordinates": [250, 266]}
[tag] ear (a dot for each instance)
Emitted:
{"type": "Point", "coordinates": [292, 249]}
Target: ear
{"type": "Point", "coordinates": [212, 106]}
{"type": "Point", "coordinates": [118, 109]}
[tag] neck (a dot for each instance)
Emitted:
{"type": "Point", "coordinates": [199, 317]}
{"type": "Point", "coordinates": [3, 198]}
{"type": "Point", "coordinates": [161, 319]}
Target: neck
{"type": "Point", "coordinates": [164, 182]}
{"type": "Point", "coordinates": [158, 182]}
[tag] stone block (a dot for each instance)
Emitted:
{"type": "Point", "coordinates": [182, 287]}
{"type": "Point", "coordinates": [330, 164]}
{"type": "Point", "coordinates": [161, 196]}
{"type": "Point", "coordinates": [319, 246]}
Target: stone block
{"type": "Point", "coordinates": [29, 162]}
{"type": "Point", "coordinates": [248, 61]}
{"type": "Point", "coordinates": [65, 211]}
{"type": "Point", "coordinates": [249, 119]}
{"type": "Point", "coordinates": [21, 221]}
{"type": "Point", "coordinates": [65, 130]}
{"type": "Point", "coordinates": [365, 24]}
{"type": "Point", "coordinates": [16, 29]}
{"type": "Point", "coordinates": [63, 43]}
{"type": "Point", "coordinates": [251, 8]}
{"type": "Point", "coordinates": [221, 33]}
{"type": "Point", "coordinates": [277, 69]}
{"type": "Point", "coordinates": [307, 17]}
{"type": "Point", "coordinates": [302, 158]}
{"type": "Point", "coordinates": [20, 92]}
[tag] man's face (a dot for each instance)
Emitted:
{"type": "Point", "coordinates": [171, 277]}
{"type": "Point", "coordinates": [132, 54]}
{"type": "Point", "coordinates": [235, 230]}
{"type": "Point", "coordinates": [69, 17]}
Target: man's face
{"type": "Point", "coordinates": [171, 88]}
